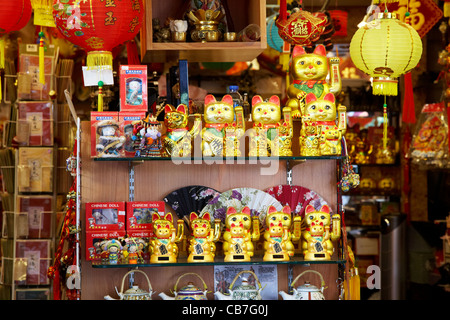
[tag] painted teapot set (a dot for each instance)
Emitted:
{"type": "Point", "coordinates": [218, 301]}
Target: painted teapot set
{"type": "Point", "coordinates": [244, 291]}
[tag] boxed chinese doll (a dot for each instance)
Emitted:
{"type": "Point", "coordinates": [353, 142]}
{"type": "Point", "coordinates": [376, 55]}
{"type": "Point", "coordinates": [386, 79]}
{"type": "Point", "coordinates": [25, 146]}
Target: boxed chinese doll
{"type": "Point", "coordinates": [133, 88]}
{"type": "Point", "coordinates": [35, 169]}
{"type": "Point", "coordinates": [32, 220]}
{"type": "Point", "coordinates": [35, 123]}
{"type": "Point", "coordinates": [97, 240]}
{"type": "Point", "coordinates": [33, 258]}
{"type": "Point", "coordinates": [139, 217]}
{"type": "Point", "coordinates": [105, 216]}
{"type": "Point", "coordinates": [28, 85]}
{"type": "Point", "coordinates": [105, 135]}
{"type": "Point", "coordinates": [127, 121]}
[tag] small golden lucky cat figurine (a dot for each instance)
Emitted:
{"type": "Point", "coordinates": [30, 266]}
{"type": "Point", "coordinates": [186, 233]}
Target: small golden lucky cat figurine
{"type": "Point", "coordinates": [202, 247]}
{"type": "Point", "coordinates": [241, 230]}
{"type": "Point", "coordinates": [310, 71]}
{"type": "Point", "coordinates": [177, 140]}
{"type": "Point", "coordinates": [221, 133]}
{"type": "Point", "coordinates": [164, 245]}
{"type": "Point", "coordinates": [320, 135]}
{"type": "Point", "coordinates": [278, 238]}
{"type": "Point", "coordinates": [317, 236]}
{"type": "Point", "coordinates": [270, 136]}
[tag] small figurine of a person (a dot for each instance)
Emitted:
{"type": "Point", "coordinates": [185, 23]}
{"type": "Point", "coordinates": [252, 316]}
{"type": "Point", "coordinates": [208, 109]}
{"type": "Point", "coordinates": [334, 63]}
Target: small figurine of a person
{"type": "Point", "coordinates": [113, 249]}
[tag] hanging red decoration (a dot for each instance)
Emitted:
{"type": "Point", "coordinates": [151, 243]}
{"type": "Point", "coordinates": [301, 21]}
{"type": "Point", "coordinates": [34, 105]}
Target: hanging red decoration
{"type": "Point", "coordinates": [339, 18]}
{"type": "Point", "coordinates": [300, 27]}
{"type": "Point", "coordinates": [14, 15]}
{"type": "Point", "coordinates": [98, 26]}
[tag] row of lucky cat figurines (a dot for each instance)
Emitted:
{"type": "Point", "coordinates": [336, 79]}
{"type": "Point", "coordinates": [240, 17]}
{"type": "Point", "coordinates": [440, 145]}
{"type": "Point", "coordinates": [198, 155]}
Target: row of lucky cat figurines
{"type": "Point", "coordinates": [322, 127]}
{"type": "Point", "coordinates": [316, 234]}
{"type": "Point", "coordinates": [311, 100]}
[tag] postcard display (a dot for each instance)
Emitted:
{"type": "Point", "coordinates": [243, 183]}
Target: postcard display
{"type": "Point", "coordinates": [28, 231]}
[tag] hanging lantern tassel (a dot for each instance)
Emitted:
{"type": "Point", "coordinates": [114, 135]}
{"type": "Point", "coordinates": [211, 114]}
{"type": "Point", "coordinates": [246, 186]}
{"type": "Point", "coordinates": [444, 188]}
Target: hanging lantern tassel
{"type": "Point", "coordinates": [100, 96]}
{"type": "Point", "coordinates": [41, 57]}
{"type": "Point", "coordinates": [385, 125]}
{"type": "Point", "coordinates": [2, 64]}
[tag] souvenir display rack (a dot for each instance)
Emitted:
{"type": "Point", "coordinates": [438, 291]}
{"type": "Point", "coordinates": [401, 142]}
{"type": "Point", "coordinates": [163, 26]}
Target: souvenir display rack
{"type": "Point", "coordinates": [149, 179]}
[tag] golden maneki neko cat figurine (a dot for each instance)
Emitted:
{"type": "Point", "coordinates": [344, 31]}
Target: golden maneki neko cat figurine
{"type": "Point", "coordinates": [221, 134]}
{"type": "Point", "coordinates": [309, 72]}
{"type": "Point", "coordinates": [269, 136]}
{"type": "Point", "coordinates": [317, 236]}
{"type": "Point", "coordinates": [202, 247]}
{"type": "Point", "coordinates": [164, 246]}
{"type": "Point", "coordinates": [320, 135]}
{"type": "Point", "coordinates": [278, 237]}
{"type": "Point", "coordinates": [241, 230]}
{"type": "Point", "coordinates": [177, 140]}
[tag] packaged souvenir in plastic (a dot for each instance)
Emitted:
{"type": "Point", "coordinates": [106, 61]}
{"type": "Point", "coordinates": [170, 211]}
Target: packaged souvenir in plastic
{"type": "Point", "coordinates": [133, 88]}
{"type": "Point", "coordinates": [429, 144]}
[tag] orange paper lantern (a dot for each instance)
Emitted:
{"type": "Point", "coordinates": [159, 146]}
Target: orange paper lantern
{"type": "Point", "coordinates": [98, 26]}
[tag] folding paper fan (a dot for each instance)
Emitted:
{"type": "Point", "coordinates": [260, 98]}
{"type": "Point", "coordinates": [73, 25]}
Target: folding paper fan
{"type": "Point", "coordinates": [257, 200]}
{"type": "Point", "coordinates": [297, 197]}
{"type": "Point", "coordinates": [189, 199]}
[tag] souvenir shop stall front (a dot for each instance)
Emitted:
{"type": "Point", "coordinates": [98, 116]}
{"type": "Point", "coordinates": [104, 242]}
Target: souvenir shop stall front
{"type": "Point", "coordinates": [215, 150]}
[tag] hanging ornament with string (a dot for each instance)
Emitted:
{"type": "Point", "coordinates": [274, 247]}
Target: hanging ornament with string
{"type": "Point", "coordinates": [385, 48]}
{"type": "Point", "coordinates": [98, 27]}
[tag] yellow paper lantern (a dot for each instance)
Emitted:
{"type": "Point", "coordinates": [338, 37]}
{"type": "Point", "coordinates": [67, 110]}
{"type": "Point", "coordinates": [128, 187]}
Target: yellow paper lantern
{"type": "Point", "coordinates": [385, 48]}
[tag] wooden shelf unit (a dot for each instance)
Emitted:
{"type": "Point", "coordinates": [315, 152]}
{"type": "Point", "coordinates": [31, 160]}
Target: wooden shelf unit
{"type": "Point", "coordinates": [243, 14]}
{"type": "Point", "coordinates": [109, 181]}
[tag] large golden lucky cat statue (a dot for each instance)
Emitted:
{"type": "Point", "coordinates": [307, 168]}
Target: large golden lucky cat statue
{"type": "Point", "coordinates": [317, 236]}
{"type": "Point", "coordinates": [270, 136]}
{"type": "Point", "coordinates": [320, 135]}
{"type": "Point", "coordinates": [241, 230]}
{"type": "Point", "coordinates": [278, 237]}
{"type": "Point", "coordinates": [164, 246]}
{"type": "Point", "coordinates": [220, 136]}
{"type": "Point", "coordinates": [177, 140]}
{"type": "Point", "coordinates": [310, 72]}
{"type": "Point", "coordinates": [202, 247]}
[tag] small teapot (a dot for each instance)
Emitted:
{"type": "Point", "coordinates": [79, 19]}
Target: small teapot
{"type": "Point", "coordinates": [188, 292]}
{"type": "Point", "coordinates": [306, 291]}
{"type": "Point", "coordinates": [245, 291]}
{"type": "Point", "coordinates": [134, 293]}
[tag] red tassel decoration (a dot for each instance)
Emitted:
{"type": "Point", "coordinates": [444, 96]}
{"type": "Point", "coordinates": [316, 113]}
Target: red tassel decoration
{"type": "Point", "coordinates": [409, 113]}
{"type": "Point", "coordinates": [132, 53]}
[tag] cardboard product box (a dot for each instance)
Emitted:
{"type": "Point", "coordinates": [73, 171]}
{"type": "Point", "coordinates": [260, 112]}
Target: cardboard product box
{"type": "Point", "coordinates": [28, 85]}
{"type": "Point", "coordinates": [103, 216]}
{"type": "Point", "coordinates": [33, 219]}
{"type": "Point", "coordinates": [133, 88]}
{"type": "Point", "coordinates": [35, 123]}
{"type": "Point", "coordinates": [98, 121]}
{"type": "Point", "coordinates": [95, 239]}
{"type": "Point", "coordinates": [35, 169]}
{"type": "Point", "coordinates": [126, 121]}
{"type": "Point", "coordinates": [139, 217]}
{"type": "Point", "coordinates": [33, 258]}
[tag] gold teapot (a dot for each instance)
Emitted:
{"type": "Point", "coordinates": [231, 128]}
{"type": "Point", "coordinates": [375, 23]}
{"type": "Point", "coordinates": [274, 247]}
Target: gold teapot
{"type": "Point", "coordinates": [134, 293]}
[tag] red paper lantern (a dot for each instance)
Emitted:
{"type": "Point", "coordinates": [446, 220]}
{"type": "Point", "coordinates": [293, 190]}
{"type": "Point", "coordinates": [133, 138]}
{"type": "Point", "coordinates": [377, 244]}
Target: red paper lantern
{"type": "Point", "coordinates": [98, 26]}
{"type": "Point", "coordinates": [14, 15]}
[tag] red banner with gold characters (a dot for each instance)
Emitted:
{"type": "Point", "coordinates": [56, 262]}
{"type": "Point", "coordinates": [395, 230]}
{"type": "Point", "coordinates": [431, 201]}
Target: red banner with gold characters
{"type": "Point", "coordinates": [98, 25]}
{"type": "Point", "coordinates": [424, 14]}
